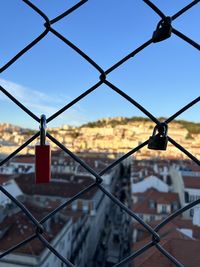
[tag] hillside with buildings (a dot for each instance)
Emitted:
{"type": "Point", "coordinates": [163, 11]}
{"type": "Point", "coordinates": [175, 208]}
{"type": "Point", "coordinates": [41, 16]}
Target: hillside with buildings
{"type": "Point", "coordinates": [91, 230]}
{"type": "Point", "coordinates": [112, 135]}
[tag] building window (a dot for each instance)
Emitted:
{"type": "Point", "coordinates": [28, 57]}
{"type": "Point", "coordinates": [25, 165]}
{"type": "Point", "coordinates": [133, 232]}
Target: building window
{"type": "Point", "coordinates": [152, 204]}
{"type": "Point", "coordinates": [164, 209]}
{"type": "Point", "coordinates": [186, 197]}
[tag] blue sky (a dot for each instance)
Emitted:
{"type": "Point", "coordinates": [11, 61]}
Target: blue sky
{"type": "Point", "coordinates": [163, 77]}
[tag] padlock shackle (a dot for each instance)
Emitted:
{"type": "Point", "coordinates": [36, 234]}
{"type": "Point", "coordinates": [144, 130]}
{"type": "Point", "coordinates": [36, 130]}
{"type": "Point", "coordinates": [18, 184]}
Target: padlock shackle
{"type": "Point", "coordinates": [162, 128]}
{"type": "Point", "coordinates": [43, 127]}
{"type": "Point", "coordinates": [164, 22]}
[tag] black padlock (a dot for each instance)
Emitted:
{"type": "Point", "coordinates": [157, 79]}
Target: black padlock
{"type": "Point", "coordinates": [163, 30]}
{"type": "Point", "coordinates": [159, 141]}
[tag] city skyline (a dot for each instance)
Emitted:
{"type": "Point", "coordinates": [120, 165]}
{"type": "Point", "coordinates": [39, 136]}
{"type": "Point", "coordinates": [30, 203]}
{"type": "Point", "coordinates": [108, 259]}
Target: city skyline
{"type": "Point", "coordinates": [163, 77]}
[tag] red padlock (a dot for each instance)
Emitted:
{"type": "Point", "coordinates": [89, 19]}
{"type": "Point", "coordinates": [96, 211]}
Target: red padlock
{"type": "Point", "coordinates": [42, 156]}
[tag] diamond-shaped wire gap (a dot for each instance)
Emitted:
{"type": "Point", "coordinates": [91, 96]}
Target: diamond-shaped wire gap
{"type": "Point", "coordinates": [97, 34]}
{"type": "Point", "coordinates": [69, 187]}
{"type": "Point", "coordinates": [155, 92]}
{"type": "Point", "coordinates": [60, 195]}
{"type": "Point", "coordinates": [58, 79]}
{"type": "Point", "coordinates": [68, 42]}
{"type": "Point", "coordinates": [102, 162]}
{"type": "Point", "coordinates": [103, 189]}
{"type": "Point", "coordinates": [9, 18]}
{"type": "Point", "coordinates": [119, 134]}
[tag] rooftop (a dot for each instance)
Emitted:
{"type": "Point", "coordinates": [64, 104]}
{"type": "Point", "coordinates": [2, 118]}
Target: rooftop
{"type": "Point", "coordinates": [18, 227]}
{"type": "Point", "coordinates": [65, 188]}
{"type": "Point", "coordinates": [192, 181]}
{"type": "Point", "coordinates": [175, 243]}
{"type": "Point", "coordinates": [142, 206]}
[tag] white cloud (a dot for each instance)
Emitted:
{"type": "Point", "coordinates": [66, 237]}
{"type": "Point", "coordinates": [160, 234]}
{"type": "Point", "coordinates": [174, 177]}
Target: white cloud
{"type": "Point", "coordinates": [42, 103]}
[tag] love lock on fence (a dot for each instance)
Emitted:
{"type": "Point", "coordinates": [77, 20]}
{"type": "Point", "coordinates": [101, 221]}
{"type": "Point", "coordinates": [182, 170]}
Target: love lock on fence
{"type": "Point", "coordinates": [163, 30]}
{"type": "Point", "coordinates": [159, 141]}
{"type": "Point", "coordinates": [42, 156]}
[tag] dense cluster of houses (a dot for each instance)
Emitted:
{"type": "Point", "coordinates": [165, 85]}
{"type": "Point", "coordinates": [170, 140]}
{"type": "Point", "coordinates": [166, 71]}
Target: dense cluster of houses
{"type": "Point", "coordinates": [74, 231]}
{"type": "Point", "coordinates": [159, 188]}
{"type": "Point", "coordinates": [91, 230]}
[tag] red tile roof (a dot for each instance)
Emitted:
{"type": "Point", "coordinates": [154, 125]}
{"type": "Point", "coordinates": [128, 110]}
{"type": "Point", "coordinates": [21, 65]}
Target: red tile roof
{"type": "Point", "coordinates": [5, 178]}
{"type": "Point", "coordinates": [194, 167]}
{"type": "Point", "coordinates": [185, 249]}
{"type": "Point", "coordinates": [177, 223]}
{"type": "Point", "coordinates": [24, 159]}
{"type": "Point", "coordinates": [154, 194]}
{"type": "Point", "coordinates": [18, 227]}
{"type": "Point", "coordinates": [158, 197]}
{"type": "Point", "coordinates": [65, 189]}
{"type": "Point", "coordinates": [192, 181]}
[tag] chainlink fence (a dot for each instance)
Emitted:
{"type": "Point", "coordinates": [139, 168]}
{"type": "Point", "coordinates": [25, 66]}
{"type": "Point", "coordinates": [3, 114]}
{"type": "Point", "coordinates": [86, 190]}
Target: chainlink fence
{"type": "Point", "coordinates": [163, 31]}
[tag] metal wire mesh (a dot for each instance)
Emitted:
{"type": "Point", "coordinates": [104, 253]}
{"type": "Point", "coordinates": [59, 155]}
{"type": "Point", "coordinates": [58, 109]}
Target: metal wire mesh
{"type": "Point", "coordinates": [162, 32]}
